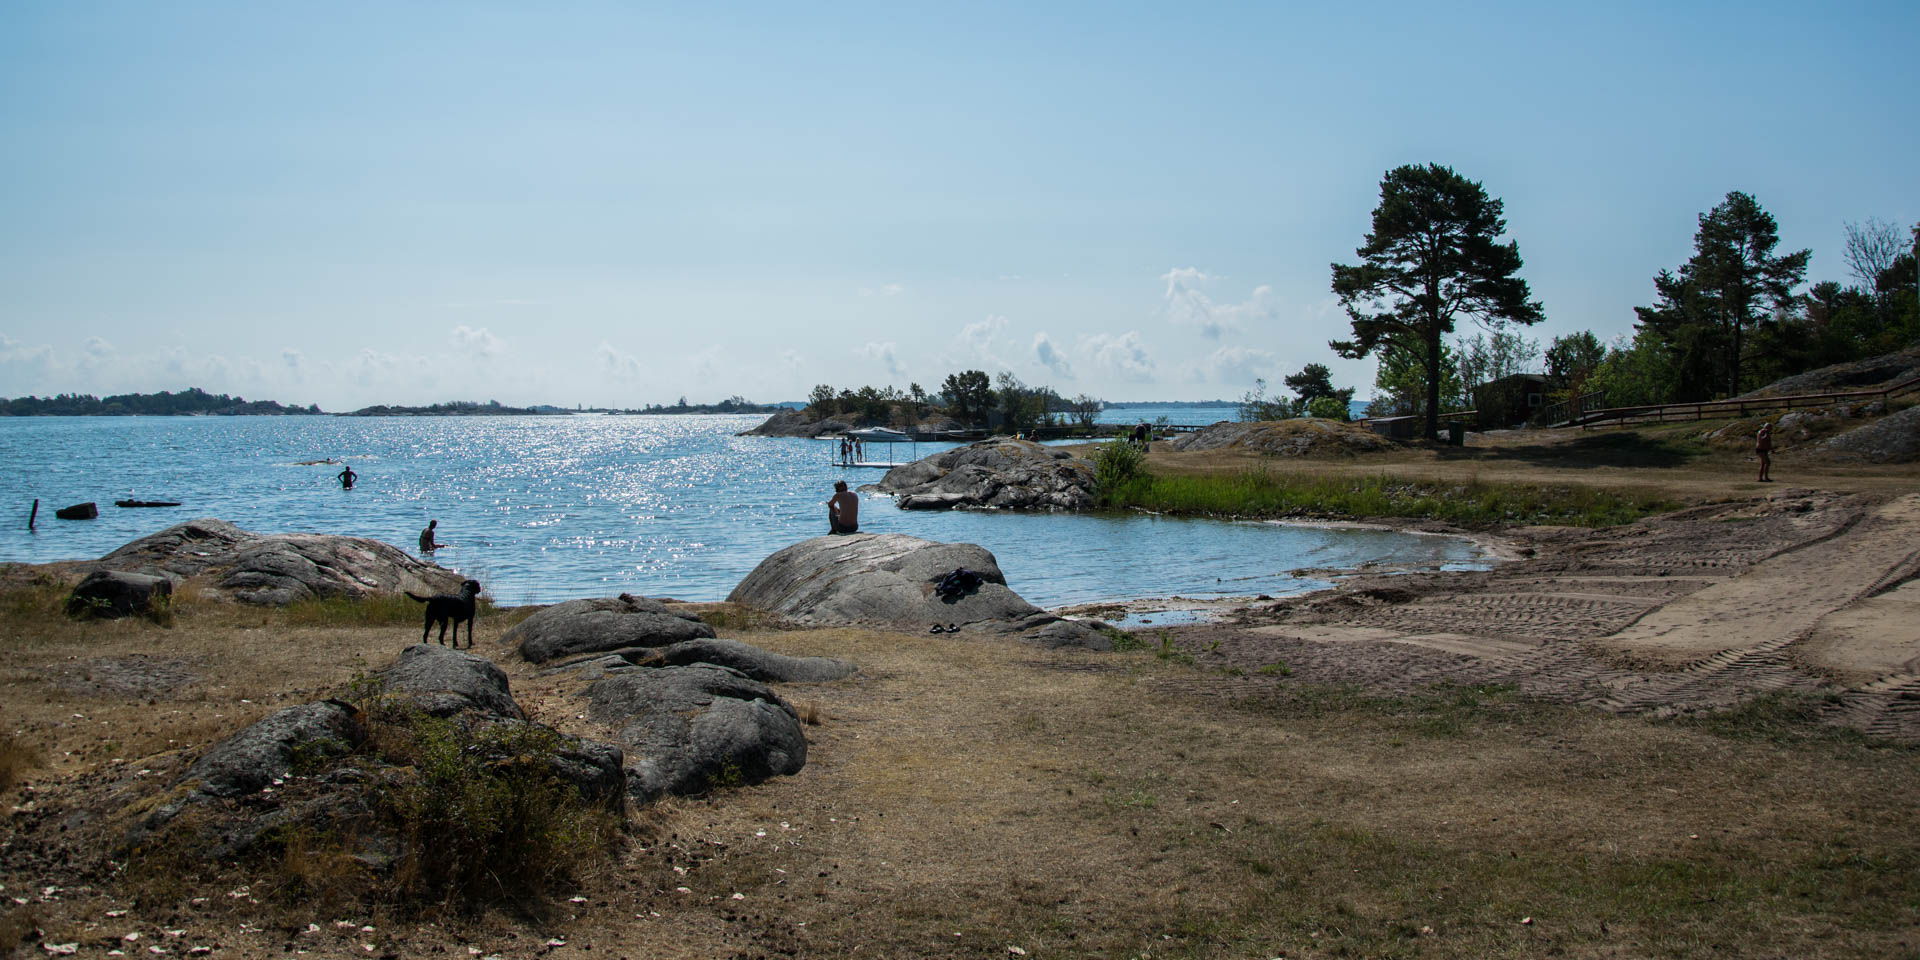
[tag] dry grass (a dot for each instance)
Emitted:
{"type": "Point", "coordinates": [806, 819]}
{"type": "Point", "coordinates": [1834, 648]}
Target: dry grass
{"type": "Point", "coordinates": [967, 795]}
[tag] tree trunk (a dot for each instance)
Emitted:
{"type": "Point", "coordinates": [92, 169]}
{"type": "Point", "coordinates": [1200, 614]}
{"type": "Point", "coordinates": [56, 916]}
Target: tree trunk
{"type": "Point", "coordinates": [1433, 380]}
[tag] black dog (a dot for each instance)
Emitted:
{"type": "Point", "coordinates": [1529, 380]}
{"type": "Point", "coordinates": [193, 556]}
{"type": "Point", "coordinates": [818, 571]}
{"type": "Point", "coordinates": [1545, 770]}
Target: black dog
{"type": "Point", "coordinates": [444, 609]}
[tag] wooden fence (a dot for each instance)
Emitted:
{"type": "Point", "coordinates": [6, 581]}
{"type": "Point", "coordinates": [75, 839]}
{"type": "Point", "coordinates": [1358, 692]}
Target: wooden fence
{"type": "Point", "coordinates": [1710, 409]}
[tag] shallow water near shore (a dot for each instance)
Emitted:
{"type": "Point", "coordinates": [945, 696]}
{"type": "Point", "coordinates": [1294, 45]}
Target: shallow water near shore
{"type": "Point", "coordinates": [542, 509]}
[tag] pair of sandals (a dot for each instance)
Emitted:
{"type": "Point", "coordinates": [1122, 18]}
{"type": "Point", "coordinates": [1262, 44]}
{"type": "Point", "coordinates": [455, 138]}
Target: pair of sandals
{"type": "Point", "coordinates": [949, 628]}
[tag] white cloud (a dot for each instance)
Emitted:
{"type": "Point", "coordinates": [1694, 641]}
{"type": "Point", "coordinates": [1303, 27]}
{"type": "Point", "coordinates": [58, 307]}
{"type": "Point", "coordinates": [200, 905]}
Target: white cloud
{"type": "Point", "coordinates": [1188, 305]}
{"type": "Point", "coordinates": [885, 355]}
{"type": "Point", "coordinates": [1236, 366]}
{"type": "Point", "coordinates": [615, 362]}
{"type": "Point", "coordinates": [478, 342]}
{"type": "Point", "coordinates": [372, 368]}
{"type": "Point", "coordinates": [1122, 355]}
{"type": "Point", "coordinates": [1050, 356]}
{"type": "Point", "coordinates": [976, 342]}
{"type": "Point", "coordinates": [291, 358]}
{"type": "Point", "coordinates": [98, 348]}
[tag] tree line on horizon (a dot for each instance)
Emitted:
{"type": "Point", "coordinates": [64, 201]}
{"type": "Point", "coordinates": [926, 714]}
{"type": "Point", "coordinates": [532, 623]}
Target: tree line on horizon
{"type": "Point", "coordinates": [1725, 322]}
{"type": "Point", "coordinates": [188, 402]}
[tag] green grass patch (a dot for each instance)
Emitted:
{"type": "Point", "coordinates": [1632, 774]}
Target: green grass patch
{"type": "Point", "coordinates": [1473, 503]}
{"type": "Point", "coordinates": [1787, 717]}
{"type": "Point", "coordinates": [1439, 710]}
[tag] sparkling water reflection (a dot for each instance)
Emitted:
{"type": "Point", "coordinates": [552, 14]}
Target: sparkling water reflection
{"type": "Point", "coordinates": [551, 508]}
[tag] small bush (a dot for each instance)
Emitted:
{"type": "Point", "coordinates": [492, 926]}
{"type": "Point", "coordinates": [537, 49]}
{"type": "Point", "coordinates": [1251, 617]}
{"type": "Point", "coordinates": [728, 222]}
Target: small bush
{"type": "Point", "coordinates": [1117, 464]}
{"type": "Point", "coordinates": [16, 759]}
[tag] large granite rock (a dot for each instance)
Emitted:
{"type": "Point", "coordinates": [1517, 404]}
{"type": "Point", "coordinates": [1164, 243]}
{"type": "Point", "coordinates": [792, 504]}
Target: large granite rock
{"type": "Point", "coordinates": [1001, 473]}
{"type": "Point", "coordinates": [890, 579]}
{"type": "Point", "coordinates": [277, 569]}
{"type": "Point", "coordinates": [1894, 438]}
{"type": "Point", "coordinates": [602, 624]}
{"type": "Point", "coordinates": [110, 594]}
{"type": "Point", "coordinates": [878, 577]}
{"type": "Point", "coordinates": [688, 729]}
{"type": "Point", "coordinates": [444, 682]}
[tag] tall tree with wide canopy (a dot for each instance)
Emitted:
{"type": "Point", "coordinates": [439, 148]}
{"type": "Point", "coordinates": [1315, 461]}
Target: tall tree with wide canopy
{"type": "Point", "coordinates": [1724, 290]}
{"type": "Point", "coordinates": [1433, 256]}
{"type": "Point", "coordinates": [1739, 273]}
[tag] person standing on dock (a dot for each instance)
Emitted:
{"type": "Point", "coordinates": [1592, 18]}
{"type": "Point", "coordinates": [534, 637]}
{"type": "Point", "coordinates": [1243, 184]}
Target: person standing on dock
{"type": "Point", "coordinates": [843, 509]}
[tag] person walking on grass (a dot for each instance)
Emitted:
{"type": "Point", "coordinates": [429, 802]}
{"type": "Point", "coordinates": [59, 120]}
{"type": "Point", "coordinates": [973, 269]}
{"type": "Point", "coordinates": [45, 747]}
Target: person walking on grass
{"type": "Point", "coordinates": [1763, 448]}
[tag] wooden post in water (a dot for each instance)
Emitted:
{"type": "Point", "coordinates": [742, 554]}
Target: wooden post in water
{"type": "Point", "coordinates": [34, 515]}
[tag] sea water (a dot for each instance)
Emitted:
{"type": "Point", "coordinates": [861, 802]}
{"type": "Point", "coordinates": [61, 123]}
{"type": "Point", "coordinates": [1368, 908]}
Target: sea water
{"type": "Point", "coordinates": [542, 509]}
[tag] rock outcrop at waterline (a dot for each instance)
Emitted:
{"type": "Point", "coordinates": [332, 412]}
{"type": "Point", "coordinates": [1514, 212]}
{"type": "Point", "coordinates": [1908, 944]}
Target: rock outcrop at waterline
{"type": "Point", "coordinates": [1002, 473]}
{"type": "Point", "coordinates": [276, 569]}
{"type": "Point", "coordinates": [891, 579]}
{"type": "Point", "coordinates": [1302, 437]}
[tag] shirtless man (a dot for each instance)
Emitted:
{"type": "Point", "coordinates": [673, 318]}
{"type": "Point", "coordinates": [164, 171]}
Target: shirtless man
{"type": "Point", "coordinates": [1763, 448]}
{"type": "Point", "coordinates": [843, 509]}
{"type": "Point", "coordinates": [427, 543]}
{"type": "Point", "coordinates": [347, 477]}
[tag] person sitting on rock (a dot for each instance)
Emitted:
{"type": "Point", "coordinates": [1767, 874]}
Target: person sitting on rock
{"type": "Point", "coordinates": [843, 509]}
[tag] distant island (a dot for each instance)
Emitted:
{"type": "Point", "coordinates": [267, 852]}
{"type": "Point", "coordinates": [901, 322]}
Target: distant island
{"type": "Point", "coordinates": [195, 402]}
{"type": "Point", "coordinates": [191, 402]}
{"type": "Point", "coordinates": [457, 408]}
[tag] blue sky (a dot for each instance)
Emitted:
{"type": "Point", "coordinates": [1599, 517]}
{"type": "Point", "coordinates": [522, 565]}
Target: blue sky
{"type": "Point", "coordinates": [621, 204]}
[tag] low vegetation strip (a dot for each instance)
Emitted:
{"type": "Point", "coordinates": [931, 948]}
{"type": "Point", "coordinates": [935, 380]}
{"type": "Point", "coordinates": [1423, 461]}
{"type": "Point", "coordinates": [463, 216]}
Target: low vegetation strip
{"type": "Point", "coordinates": [1472, 503]}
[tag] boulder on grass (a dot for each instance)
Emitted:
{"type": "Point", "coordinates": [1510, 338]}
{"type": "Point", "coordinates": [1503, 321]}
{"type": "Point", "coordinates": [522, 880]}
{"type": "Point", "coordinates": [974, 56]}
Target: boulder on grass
{"type": "Point", "coordinates": [601, 624]}
{"type": "Point", "coordinates": [256, 756]}
{"type": "Point", "coordinates": [890, 579]}
{"type": "Point", "coordinates": [762, 665]}
{"type": "Point", "coordinates": [689, 729]}
{"type": "Point", "coordinates": [111, 594]}
{"type": "Point", "coordinates": [445, 682]}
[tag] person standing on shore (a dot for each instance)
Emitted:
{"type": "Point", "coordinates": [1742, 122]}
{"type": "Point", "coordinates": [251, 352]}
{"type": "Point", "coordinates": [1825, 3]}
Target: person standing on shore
{"type": "Point", "coordinates": [1763, 448]}
{"type": "Point", "coordinates": [347, 476]}
{"type": "Point", "coordinates": [843, 509]}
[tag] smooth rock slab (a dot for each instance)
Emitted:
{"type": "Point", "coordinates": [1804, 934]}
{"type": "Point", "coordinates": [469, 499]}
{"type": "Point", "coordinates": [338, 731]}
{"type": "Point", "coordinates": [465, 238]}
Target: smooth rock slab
{"type": "Point", "coordinates": [886, 578]}
{"type": "Point", "coordinates": [278, 569]}
{"type": "Point", "coordinates": [444, 682]}
{"type": "Point", "coordinates": [601, 624]}
{"type": "Point", "coordinates": [686, 729]}
{"type": "Point", "coordinates": [111, 594]}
